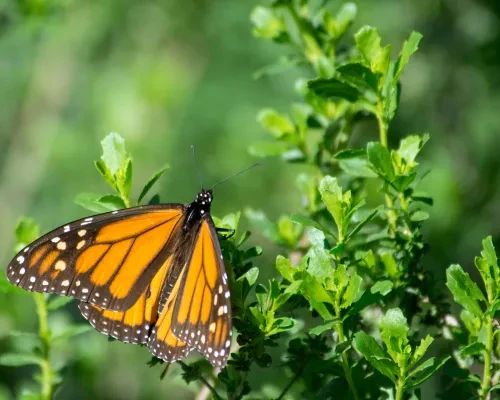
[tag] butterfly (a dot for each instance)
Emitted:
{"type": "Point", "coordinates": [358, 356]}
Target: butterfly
{"type": "Point", "coordinates": [151, 275]}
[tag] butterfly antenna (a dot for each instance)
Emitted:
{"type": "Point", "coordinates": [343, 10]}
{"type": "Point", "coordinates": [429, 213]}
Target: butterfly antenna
{"type": "Point", "coordinates": [197, 167]}
{"type": "Point", "coordinates": [237, 173]}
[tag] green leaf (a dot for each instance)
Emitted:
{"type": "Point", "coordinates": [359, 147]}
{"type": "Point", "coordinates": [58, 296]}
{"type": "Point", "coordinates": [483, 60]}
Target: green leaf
{"type": "Point", "coordinates": [368, 43]}
{"type": "Point", "coordinates": [72, 331]}
{"type": "Point", "coordinates": [338, 250]}
{"type": "Point", "coordinates": [472, 349]}
{"type": "Point", "coordinates": [424, 371]}
{"type": "Point", "coordinates": [421, 349]}
{"type": "Point", "coordinates": [403, 181]}
{"type": "Point", "coordinates": [314, 292]}
{"type": "Point", "coordinates": [369, 297]}
{"type": "Point", "coordinates": [99, 204]}
{"type": "Point", "coordinates": [490, 255]}
{"type": "Point", "coordinates": [374, 354]}
{"type": "Point", "coordinates": [6, 287]}
{"type": "Point", "coordinates": [358, 75]}
{"type": "Point", "coordinates": [26, 231]}
{"type": "Point", "coordinates": [19, 360]}
{"type": "Point", "coordinates": [496, 387]}
{"type": "Point", "coordinates": [336, 26]}
{"type": "Point", "coordinates": [127, 179]}
{"type": "Point", "coordinates": [361, 224]}
{"type": "Point", "coordinates": [307, 221]}
{"type": "Point", "coordinates": [353, 291]}
{"type": "Point", "coordinates": [283, 64]}
{"type": "Point", "coordinates": [381, 160]}
{"type": "Point", "coordinates": [113, 152]}
{"type": "Point", "coordinates": [390, 265]}
{"type": "Point", "coordinates": [251, 276]}
{"type": "Point", "coordinates": [282, 324]}
{"type": "Point", "coordinates": [111, 202]}
{"type": "Point", "coordinates": [394, 326]}
{"type": "Point", "coordinates": [350, 153]}
{"type": "Point", "coordinates": [410, 146]}
{"type": "Point", "coordinates": [265, 22]}
{"type": "Point", "coordinates": [285, 268]}
{"type": "Point", "coordinates": [465, 291]}
{"type": "Point", "coordinates": [105, 173]}
{"type": "Point", "coordinates": [419, 215]}
{"type": "Point", "coordinates": [382, 287]}
{"type": "Point", "coordinates": [262, 295]}
{"type": "Point", "coordinates": [58, 302]}
{"type": "Point", "coordinates": [262, 223]}
{"type": "Point", "coordinates": [318, 330]}
{"type": "Point", "coordinates": [268, 149]}
{"type": "Point", "coordinates": [328, 88]}
{"type": "Point", "coordinates": [410, 46]}
{"type": "Point", "coordinates": [357, 167]}
{"type": "Point", "coordinates": [331, 194]}
{"type": "Point", "coordinates": [320, 264]}
{"type": "Point", "coordinates": [147, 187]}
{"type": "Point", "coordinates": [275, 123]}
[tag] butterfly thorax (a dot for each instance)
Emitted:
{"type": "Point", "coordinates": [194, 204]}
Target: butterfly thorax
{"type": "Point", "coordinates": [200, 207]}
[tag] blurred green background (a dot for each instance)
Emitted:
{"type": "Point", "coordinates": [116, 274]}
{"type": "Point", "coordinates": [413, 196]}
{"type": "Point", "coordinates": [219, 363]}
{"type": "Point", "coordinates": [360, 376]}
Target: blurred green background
{"type": "Point", "coordinates": [168, 74]}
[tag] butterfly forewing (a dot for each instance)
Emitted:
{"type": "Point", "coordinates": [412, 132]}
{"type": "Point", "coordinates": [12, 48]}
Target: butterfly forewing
{"type": "Point", "coordinates": [107, 260]}
{"type": "Point", "coordinates": [202, 310]}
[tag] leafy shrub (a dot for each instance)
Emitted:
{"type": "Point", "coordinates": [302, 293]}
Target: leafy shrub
{"type": "Point", "coordinates": [355, 307]}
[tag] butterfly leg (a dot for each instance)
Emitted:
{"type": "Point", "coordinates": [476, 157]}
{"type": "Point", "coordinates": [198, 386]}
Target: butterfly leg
{"type": "Point", "coordinates": [230, 232]}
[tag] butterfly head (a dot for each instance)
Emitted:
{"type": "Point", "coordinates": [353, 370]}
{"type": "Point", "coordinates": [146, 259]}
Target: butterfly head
{"type": "Point", "coordinates": [204, 200]}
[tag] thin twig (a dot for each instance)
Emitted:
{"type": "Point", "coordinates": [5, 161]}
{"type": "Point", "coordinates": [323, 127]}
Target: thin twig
{"type": "Point", "coordinates": [206, 383]}
{"type": "Point", "coordinates": [287, 388]}
{"type": "Point", "coordinates": [44, 333]}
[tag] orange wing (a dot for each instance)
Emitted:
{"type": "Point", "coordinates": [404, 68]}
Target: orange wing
{"type": "Point", "coordinates": [202, 311]}
{"type": "Point", "coordinates": [162, 343]}
{"type": "Point", "coordinates": [135, 324]}
{"type": "Point", "coordinates": [107, 260]}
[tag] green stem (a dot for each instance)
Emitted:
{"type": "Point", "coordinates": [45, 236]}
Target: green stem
{"type": "Point", "coordinates": [126, 200]}
{"type": "Point", "coordinates": [401, 383]}
{"type": "Point", "coordinates": [485, 385]}
{"type": "Point", "coordinates": [339, 327]}
{"type": "Point", "coordinates": [44, 333]}
{"type": "Point", "coordinates": [287, 388]}
{"type": "Point", "coordinates": [382, 130]}
{"type": "Point", "coordinates": [382, 125]}
{"type": "Point", "coordinates": [399, 389]}
{"type": "Point", "coordinates": [211, 388]}
{"type": "Point", "coordinates": [206, 383]}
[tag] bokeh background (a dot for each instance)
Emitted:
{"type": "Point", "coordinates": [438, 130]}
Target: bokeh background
{"type": "Point", "coordinates": [166, 74]}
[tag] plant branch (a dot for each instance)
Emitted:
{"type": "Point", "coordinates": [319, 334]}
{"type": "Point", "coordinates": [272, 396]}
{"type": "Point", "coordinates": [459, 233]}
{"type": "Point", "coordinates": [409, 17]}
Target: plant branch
{"type": "Point", "coordinates": [44, 333]}
{"type": "Point", "coordinates": [205, 382]}
{"type": "Point", "coordinates": [485, 385]}
{"type": "Point", "coordinates": [391, 215]}
{"type": "Point", "coordinates": [339, 327]}
{"type": "Point", "coordinates": [287, 388]}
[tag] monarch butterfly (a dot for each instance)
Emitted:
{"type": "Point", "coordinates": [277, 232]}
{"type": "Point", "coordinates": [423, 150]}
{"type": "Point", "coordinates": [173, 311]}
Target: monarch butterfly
{"type": "Point", "coordinates": [150, 275]}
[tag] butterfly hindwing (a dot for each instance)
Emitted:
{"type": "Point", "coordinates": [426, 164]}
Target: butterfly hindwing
{"type": "Point", "coordinates": [107, 260]}
{"type": "Point", "coordinates": [134, 324]}
{"type": "Point", "coordinates": [202, 309]}
{"type": "Point", "coordinates": [163, 343]}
